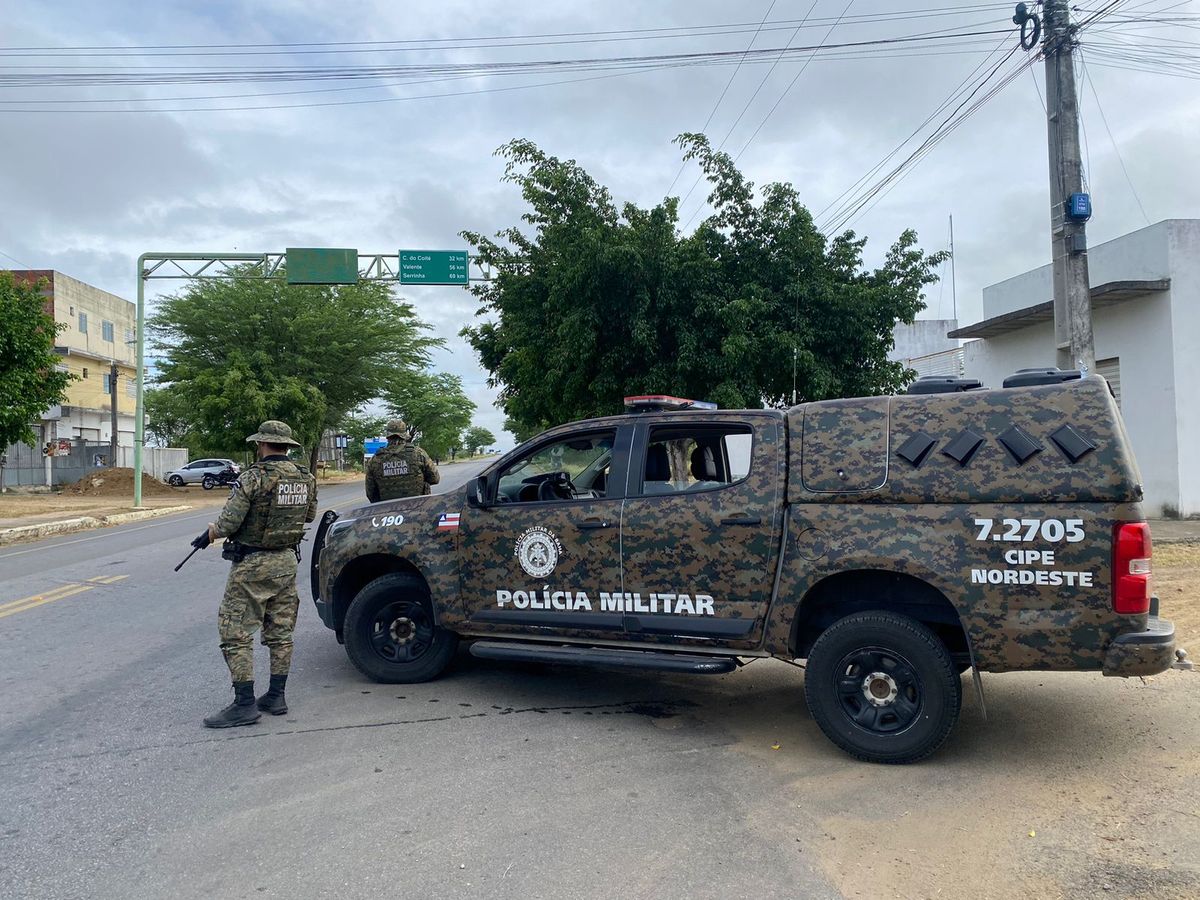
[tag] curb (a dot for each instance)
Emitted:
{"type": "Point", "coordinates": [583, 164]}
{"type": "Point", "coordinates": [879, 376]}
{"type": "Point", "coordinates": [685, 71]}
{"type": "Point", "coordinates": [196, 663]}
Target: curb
{"type": "Point", "coordinates": [82, 523]}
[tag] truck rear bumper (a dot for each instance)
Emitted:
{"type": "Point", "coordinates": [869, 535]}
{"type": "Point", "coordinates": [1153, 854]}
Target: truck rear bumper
{"type": "Point", "coordinates": [1142, 652]}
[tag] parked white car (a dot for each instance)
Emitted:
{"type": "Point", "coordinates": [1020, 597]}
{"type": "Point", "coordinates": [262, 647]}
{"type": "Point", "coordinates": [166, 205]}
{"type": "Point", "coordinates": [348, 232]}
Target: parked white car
{"type": "Point", "coordinates": [194, 472]}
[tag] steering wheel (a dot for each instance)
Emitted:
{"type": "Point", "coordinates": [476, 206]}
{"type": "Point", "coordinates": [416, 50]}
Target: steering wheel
{"type": "Point", "coordinates": [556, 487]}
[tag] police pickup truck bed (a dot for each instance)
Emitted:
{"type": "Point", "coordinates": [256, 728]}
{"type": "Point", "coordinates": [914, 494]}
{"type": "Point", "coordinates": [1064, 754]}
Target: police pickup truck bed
{"type": "Point", "coordinates": [890, 542]}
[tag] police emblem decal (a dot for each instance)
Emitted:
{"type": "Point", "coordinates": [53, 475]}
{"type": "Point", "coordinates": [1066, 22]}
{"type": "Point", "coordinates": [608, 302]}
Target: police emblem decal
{"type": "Point", "coordinates": [538, 551]}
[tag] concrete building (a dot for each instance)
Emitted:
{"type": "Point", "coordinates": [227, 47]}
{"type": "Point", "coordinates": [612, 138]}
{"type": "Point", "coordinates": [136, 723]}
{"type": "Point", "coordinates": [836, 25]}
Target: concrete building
{"type": "Point", "coordinates": [1146, 320]}
{"type": "Point", "coordinates": [924, 347]}
{"type": "Point", "coordinates": [100, 330]}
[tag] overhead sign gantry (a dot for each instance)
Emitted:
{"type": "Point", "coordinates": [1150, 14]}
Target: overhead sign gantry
{"type": "Point", "coordinates": [297, 265]}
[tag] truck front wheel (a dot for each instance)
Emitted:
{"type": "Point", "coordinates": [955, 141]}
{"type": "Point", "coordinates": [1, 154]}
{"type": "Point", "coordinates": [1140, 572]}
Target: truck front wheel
{"type": "Point", "coordinates": [882, 687]}
{"type": "Point", "coordinates": [391, 635]}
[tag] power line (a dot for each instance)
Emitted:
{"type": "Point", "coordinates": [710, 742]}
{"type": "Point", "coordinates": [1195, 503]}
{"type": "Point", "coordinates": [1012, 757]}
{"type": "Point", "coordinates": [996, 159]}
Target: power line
{"type": "Point", "coordinates": [745, 107]}
{"type": "Point", "coordinates": [620, 34]}
{"type": "Point", "coordinates": [23, 265]}
{"type": "Point", "coordinates": [713, 111]}
{"type": "Point", "coordinates": [967, 107]}
{"type": "Point", "coordinates": [1116, 149]}
{"type": "Point", "coordinates": [771, 111]}
{"type": "Point", "coordinates": [844, 200]}
{"type": "Point", "coordinates": [791, 84]}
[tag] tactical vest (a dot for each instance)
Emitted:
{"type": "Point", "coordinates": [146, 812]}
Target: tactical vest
{"type": "Point", "coordinates": [398, 471]}
{"type": "Point", "coordinates": [278, 508]}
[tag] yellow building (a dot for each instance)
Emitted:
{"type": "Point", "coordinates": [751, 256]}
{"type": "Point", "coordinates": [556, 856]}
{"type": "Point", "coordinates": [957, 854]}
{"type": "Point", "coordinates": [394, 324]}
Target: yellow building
{"type": "Point", "coordinates": [100, 332]}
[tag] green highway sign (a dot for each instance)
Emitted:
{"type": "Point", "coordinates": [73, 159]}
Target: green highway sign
{"type": "Point", "coordinates": [321, 265]}
{"type": "Point", "coordinates": [433, 267]}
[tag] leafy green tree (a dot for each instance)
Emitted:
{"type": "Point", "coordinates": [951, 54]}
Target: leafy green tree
{"type": "Point", "coordinates": [30, 383]}
{"type": "Point", "coordinates": [238, 352]}
{"type": "Point", "coordinates": [593, 302]}
{"type": "Point", "coordinates": [169, 418]}
{"type": "Point", "coordinates": [523, 432]}
{"type": "Point", "coordinates": [433, 404]}
{"type": "Point", "coordinates": [476, 438]}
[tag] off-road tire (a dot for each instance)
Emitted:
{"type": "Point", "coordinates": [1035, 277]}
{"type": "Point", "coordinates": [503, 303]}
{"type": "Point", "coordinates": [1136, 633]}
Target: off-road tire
{"type": "Point", "coordinates": [924, 708]}
{"type": "Point", "coordinates": [378, 626]}
{"type": "Point", "coordinates": [208, 482]}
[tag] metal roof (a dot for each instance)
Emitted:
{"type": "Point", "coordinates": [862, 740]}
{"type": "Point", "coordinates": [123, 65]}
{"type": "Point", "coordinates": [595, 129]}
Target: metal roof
{"type": "Point", "coordinates": [1103, 295]}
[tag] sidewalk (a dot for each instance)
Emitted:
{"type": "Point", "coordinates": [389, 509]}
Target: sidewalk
{"type": "Point", "coordinates": [37, 509]}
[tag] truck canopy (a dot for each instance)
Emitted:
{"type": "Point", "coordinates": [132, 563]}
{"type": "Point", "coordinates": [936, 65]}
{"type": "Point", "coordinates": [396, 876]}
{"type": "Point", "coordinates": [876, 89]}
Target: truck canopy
{"type": "Point", "coordinates": [1059, 443]}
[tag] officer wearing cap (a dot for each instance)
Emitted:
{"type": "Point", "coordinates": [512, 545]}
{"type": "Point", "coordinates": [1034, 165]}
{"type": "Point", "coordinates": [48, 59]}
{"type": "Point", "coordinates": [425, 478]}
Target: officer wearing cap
{"type": "Point", "coordinates": [401, 469]}
{"type": "Point", "coordinates": [263, 523]}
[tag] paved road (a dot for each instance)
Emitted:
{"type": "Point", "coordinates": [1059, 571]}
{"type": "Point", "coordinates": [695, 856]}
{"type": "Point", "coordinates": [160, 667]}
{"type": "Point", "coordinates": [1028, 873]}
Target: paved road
{"type": "Point", "coordinates": [533, 781]}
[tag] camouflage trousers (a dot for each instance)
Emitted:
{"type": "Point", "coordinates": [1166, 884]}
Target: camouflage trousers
{"type": "Point", "coordinates": [260, 593]}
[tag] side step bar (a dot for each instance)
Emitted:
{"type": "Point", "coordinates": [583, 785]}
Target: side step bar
{"type": "Point", "coordinates": [604, 657]}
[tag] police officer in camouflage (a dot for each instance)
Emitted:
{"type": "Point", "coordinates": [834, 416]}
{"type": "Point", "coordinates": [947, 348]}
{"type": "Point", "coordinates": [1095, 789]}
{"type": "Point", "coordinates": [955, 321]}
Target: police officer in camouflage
{"type": "Point", "coordinates": [263, 523]}
{"type": "Point", "coordinates": [401, 469]}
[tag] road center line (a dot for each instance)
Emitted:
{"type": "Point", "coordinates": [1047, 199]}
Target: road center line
{"type": "Point", "coordinates": [67, 590]}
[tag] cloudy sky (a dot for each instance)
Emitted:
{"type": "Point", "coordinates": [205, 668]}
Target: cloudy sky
{"type": "Point", "coordinates": [406, 159]}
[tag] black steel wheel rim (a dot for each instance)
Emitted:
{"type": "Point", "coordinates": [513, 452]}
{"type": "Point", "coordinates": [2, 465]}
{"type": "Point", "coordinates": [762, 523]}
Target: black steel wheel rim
{"type": "Point", "coordinates": [879, 690]}
{"type": "Point", "coordinates": [401, 632]}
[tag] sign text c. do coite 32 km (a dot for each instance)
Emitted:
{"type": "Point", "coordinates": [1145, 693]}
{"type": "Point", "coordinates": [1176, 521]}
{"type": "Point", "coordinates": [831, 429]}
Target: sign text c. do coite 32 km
{"type": "Point", "coordinates": [433, 267]}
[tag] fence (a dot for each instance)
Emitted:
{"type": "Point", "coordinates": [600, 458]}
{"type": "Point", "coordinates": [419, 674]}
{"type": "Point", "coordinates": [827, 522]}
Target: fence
{"type": "Point", "coordinates": [72, 459]}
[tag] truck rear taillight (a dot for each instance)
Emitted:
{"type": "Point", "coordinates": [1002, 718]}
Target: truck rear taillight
{"type": "Point", "coordinates": [1131, 568]}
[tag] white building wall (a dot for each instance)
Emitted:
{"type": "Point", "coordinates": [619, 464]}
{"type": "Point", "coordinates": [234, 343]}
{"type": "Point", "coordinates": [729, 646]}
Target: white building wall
{"type": "Point", "coordinates": [923, 337]}
{"type": "Point", "coordinates": [1140, 256]}
{"type": "Point", "coordinates": [1156, 338]}
{"type": "Point", "coordinates": [1184, 251]}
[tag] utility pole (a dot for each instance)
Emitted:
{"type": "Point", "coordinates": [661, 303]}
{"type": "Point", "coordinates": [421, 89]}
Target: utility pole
{"type": "Point", "coordinates": [112, 402]}
{"type": "Point", "coordinates": [1070, 207]}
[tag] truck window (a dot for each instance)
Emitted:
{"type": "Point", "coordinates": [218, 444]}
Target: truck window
{"type": "Point", "coordinates": [683, 459]}
{"type": "Point", "coordinates": [573, 468]}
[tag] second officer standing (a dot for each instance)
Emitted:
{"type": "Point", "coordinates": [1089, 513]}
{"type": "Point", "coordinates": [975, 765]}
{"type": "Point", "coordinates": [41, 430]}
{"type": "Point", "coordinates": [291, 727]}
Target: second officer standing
{"type": "Point", "coordinates": [401, 469]}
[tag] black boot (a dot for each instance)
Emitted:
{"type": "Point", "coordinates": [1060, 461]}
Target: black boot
{"type": "Point", "coordinates": [273, 701]}
{"type": "Point", "coordinates": [240, 712]}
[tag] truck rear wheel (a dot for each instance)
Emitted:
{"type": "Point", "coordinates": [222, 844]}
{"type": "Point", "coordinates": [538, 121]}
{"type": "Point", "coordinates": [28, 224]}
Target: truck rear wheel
{"type": "Point", "coordinates": [391, 635]}
{"type": "Point", "coordinates": [882, 687]}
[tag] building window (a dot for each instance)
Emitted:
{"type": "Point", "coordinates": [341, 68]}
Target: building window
{"type": "Point", "coordinates": [130, 387]}
{"type": "Point", "coordinates": [83, 323]}
{"type": "Point", "coordinates": [107, 383]}
{"type": "Point", "coordinates": [106, 331]}
{"type": "Point", "coordinates": [129, 335]}
{"type": "Point", "coordinates": [85, 371]}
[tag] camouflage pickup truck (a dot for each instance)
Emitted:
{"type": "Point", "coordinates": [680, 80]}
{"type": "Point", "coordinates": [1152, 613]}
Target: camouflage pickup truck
{"type": "Point", "coordinates": [890, 543]}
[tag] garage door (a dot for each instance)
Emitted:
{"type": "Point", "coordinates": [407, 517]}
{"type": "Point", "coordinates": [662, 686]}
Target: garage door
{"type": "Point", "coordinates": [1111, 369]}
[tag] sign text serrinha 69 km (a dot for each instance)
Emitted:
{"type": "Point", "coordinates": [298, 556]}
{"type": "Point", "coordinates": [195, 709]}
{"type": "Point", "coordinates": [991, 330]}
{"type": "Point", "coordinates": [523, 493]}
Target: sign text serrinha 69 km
{"type": "Point", "coordinates": [433, 267]}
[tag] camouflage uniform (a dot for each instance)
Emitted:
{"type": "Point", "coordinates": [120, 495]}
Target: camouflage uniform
{"type": "Point", "coordinates": [401, 469]}
{"type": "Point", "coordinates": [272, 501]}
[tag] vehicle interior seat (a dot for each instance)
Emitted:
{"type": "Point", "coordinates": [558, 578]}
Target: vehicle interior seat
{"type": "Point", "coordinates": [704, 468]}
{"type": "Point", "coordinates": [658, 471]}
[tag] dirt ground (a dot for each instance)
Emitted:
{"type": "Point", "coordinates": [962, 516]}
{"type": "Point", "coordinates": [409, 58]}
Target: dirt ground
{"type": "Point", "coordinates": [119, 483]}
{"type": "Point", "coordinates": [1176, 580]}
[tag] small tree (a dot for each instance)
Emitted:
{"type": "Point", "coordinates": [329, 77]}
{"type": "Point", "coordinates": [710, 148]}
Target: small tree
{"type": "Point", "coordinates": [433, 404]}
{"type": "Point", "coordinates": [30, 382]}
{"type": "Point", "coordinates": [476, 438]}
{"type": "Point", "coordinates": [245, 350]}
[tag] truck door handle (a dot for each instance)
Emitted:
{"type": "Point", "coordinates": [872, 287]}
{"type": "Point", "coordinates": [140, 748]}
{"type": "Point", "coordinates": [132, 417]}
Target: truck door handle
{"type": "Point", "coordinates": [588, 524]}
{"type": "Point", "coordinates": [742, 520]}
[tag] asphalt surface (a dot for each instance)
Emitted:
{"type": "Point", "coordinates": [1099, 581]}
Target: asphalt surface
{"type": "Point", "coordinates": [501, 780]}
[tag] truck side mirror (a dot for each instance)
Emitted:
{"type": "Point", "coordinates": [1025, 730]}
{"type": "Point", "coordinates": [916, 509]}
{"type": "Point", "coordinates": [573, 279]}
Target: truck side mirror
{"type": "Point", "coordinates": [477, 496]}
